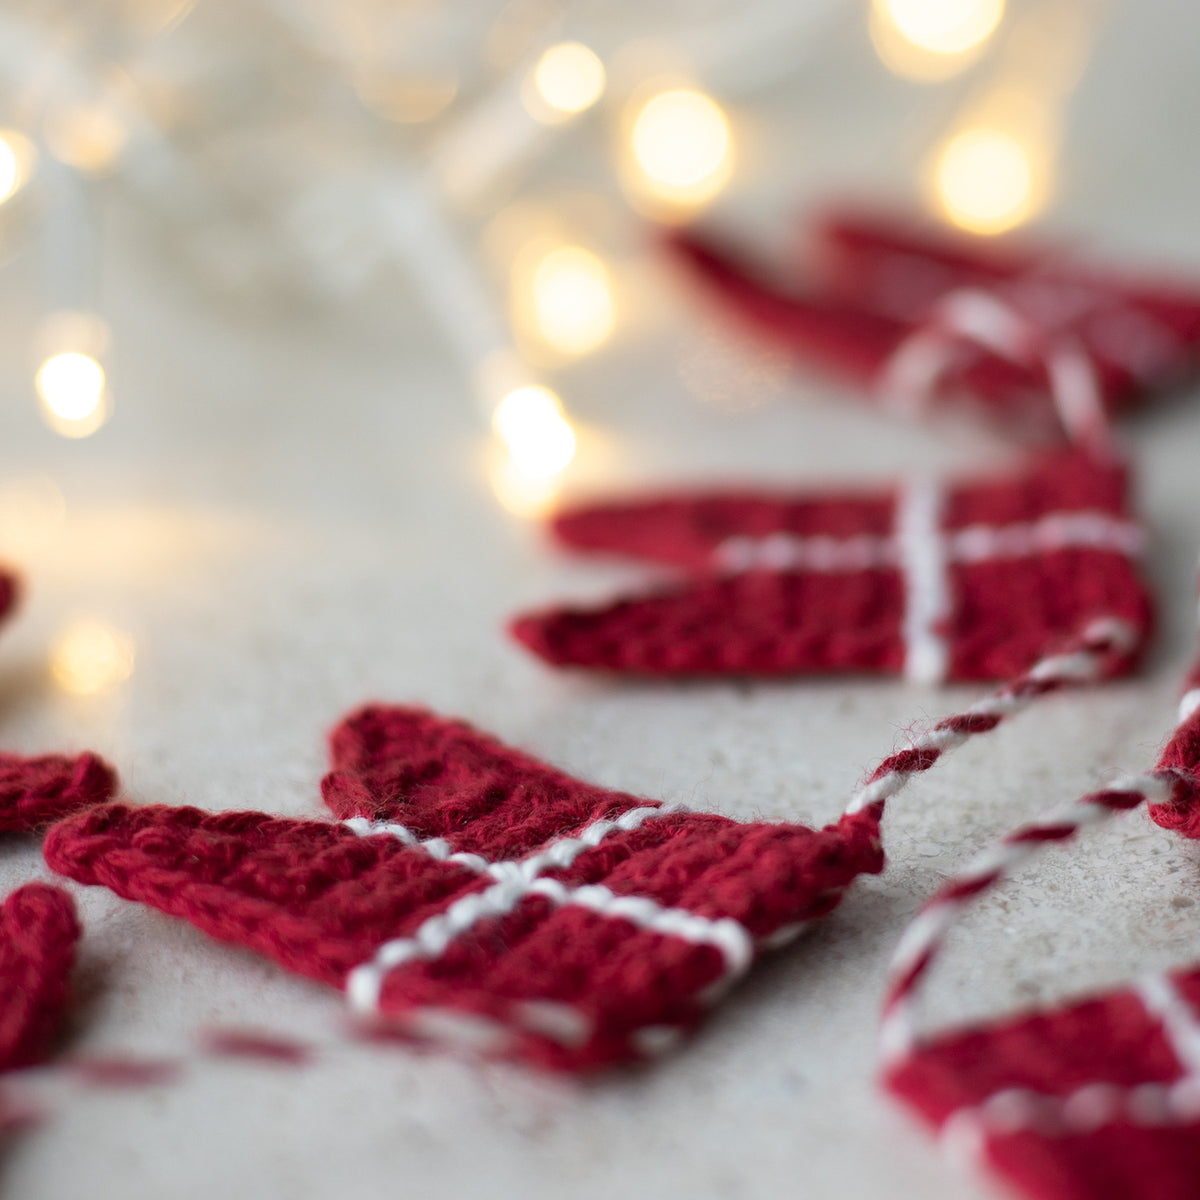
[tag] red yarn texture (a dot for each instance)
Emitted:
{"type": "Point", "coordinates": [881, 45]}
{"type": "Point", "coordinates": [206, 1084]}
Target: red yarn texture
{"type": "Point", "coordinates": [1183, 753]}
{"type": "Point", "coordinates": [1110, 1045]}
{"type": "Point", "coordinates": [37, 791]}
{"type": "Point", "coordinates": [1097, 1099]}
{"type": "Point", "coordinates": [546, 972]}
{"type": "Point", "coordinates": [8, 593]}
{"type": "Point", "coordinates": [38, 932]}
{"type": "Point", "coordinates": [1005, 610]}
{"type": "Point", "coordinates": [876, 280]}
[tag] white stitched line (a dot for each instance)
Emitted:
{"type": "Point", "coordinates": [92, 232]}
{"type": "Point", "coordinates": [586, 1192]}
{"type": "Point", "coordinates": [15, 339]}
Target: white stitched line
{"type": "Point", "coordinates": [782, 551]}
{"type": "Point", "coordinates": [1085, 529]}
{"type": "Point", "coordinates": [1189, 705]}
{"type": "Point", "coordinates": [565, 851]}
{"type": "Point", "coordinates": [516, 880]}
{"type": "Point", "coordinates": [730, 937]}
{"type": "Point", "coordinates": [927, 592]}
{"type": "Point", "coordinates": [1161, 998]}
{"type": "Point", "coordinates": [561, 853]}
{"type": "Point", "coordinates": [437, 848]}
{"type": "Point", "coordinates": [1085, 1110]}
{"type": "Point", "coordinates": [1054, 531]}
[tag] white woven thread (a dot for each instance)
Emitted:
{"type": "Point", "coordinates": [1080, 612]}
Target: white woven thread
{"type": "Point", "coordinates": [926, 588]}
{"type": "Point", "coordinates": [1084, 529]}
{"type": "Point", "coordinates": [1162, 999]}
{"type": "Point", "coordinates": [519, 879]}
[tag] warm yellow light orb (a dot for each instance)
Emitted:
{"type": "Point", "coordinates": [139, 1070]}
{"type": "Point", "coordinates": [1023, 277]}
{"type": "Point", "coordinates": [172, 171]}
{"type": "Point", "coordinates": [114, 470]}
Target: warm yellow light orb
{"type": "Point", "coordinates": [88, 137]}
{"type": "Point", "coordinates": [683, 146]}
{"type": "Point", "coordinates": [16, 162]}
{"type": "Point", "coordinates": [10, 173]}
{"type": "Point", "coordinates": [943, 26]}
{"type": "Point", "coordinates": [531, 424]}
{"type": "Point", "coordinates": [568, 78]}
{"type": "Point", "coordinates": [986, 181]}
{"type": "Point", "coordinates": [71, 386]}
{"type": "Point", "coordinates": [90, 657]}
{"type": "Point", "coordinates": [520, 493]}
{"type": "Point", "coordinates": [572, 300]}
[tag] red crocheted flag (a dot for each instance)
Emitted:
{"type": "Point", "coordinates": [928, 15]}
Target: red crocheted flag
{"type": "Point", "coordinates": [470, 891]}
{"type": "Point", "coordinates": [970, 583]}
{"type": "Point", "coordinates": [1097, 1099]}
{"type": "Point", "coordinates": [37, 791]}
{"type": "Point", "coordinates": [38, 932]}
{"type": "Point", "coordinates": [878, 283]}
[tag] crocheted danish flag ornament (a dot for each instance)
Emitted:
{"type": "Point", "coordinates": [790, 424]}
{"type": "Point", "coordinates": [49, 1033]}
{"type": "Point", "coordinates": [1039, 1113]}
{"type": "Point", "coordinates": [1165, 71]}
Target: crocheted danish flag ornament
{"type": "Point", "coordinates": [917, 317]}
{"type": "Point", "coordinates": [470, 892]}
{"type": "Point", "coordinates": [975, 581]}
{"type": "Point", "coordinates": [1093, 1099]}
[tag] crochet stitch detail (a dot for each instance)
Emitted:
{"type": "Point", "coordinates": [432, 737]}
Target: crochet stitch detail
{"type": "Point", "coordinates": [471, 892]}
{"type": "Point", "coordinates": [976, 584]}
{"type": "Point", "coordinates": [38, 932]}
{"type": "Point", "coordinates": [37, 791]}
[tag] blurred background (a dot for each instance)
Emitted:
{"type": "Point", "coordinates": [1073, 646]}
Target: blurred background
{"type": "Point", "coordinates": [310, 308]}
{"type": "Point", "coordinates": [504, 164]}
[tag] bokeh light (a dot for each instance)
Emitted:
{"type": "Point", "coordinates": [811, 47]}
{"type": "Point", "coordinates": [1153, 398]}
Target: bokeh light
{"type": "Point", "coordinates": [943, 26]}
{"type": "Point", "coordinates": [988, 181]}
{"type": "Point", "coordinates": [517, 491]}
{"type": "Point", "coordinates": [73, 393]}
{"type": "Point", "coordinates": [568, 79]}
{"type": "Point", "coordinates": [571, 300]}
{"type": "Point", "coordinates": [17, 157]}
{"type": "Point", "coordinates": [530, 423]}
{"type": "Point", "coordinates": [929, 40]}
{"type": "Point", "coordinates": [88, 137]}
{"type": "Point", "coordinates": [682, 148]}
{"type": "Point", "coordinates": [90, 656]}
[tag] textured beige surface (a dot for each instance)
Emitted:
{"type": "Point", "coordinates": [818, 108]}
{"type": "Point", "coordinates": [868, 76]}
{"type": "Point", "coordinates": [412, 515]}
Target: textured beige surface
{"type": "Point", "coordinates": [290, 514]}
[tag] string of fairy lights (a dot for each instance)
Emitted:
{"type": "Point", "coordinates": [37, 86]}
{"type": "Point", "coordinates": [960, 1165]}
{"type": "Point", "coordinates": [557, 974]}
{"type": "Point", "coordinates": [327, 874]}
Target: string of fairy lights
{"type": "Point", "coordinates": [449, 212]}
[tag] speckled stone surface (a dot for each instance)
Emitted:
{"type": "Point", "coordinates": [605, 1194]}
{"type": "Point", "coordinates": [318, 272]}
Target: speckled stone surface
{"type": "Point", "coordinates": [290, 514]}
